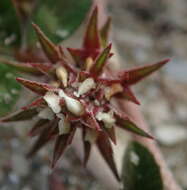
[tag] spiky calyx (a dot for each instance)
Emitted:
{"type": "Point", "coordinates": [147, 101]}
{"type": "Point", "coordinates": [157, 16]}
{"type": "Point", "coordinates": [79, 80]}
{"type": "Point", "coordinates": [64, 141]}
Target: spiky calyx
{"type": "Point", "coordinates": [78, 95]}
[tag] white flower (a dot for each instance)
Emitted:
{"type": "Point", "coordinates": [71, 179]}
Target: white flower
{"type": "Point", "coordinates": [53, 101]}
{"type": "Point", "coordinates": [73, 105]}
{"type": "Point", "coordinates": [46, 113]}
{"type": "Point", "coordinates": [86, 85]}
{"type": "Point", "coordinates": [107, 118]}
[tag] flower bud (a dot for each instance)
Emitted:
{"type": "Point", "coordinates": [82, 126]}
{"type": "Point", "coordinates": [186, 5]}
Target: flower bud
{"type": "Point", "coordinates": [62, 75]}
{"type": "Point", "coordinates": [73, 105]}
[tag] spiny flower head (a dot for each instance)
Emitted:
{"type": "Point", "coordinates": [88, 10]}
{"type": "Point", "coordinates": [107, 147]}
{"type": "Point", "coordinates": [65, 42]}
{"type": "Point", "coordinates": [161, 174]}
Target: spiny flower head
{"type": "Point", "coordinates": [75, 93]}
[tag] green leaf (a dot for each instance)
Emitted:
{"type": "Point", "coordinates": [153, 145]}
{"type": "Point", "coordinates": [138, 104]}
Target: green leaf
{"type": "Point", "coordinates": [140, 170]}
{"type": "Point", "coordinates": [9, 89]}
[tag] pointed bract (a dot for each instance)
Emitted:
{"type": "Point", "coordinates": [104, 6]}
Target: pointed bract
{"type": "Point", "coordinates": [77, 55]}
{"type": "Point", "coordinates": [50, 49]}
{"type": "Point", "coordinates": [36, 103]}
{"type": "Point", "coordinates": [45, 136]}
{"type": "Point", "coordinates": [111, 134]}
{"type": "Point", "coordinates": [21, 115]}
{"type": "Point", "coordinates": [42, 68]}
{"type": "Point", "coordinates": [128, 95]}
{"type": "Point", "coordinates": [91, 39]}
{"type": "Point", "coordinates": [61, 144]}
{"type": "Point", "coordinates": [22, 67]}
{"type": "Point", "coordinates": [135, 75]}
{"type": "Point", "coordinates": [38, 127]}
{"type": "Point", "coordinates": [37, 87]}
{"type": "Point", "coordinates": [101, 61]}
{"type": "Point", "coordinates": [106, 151]}
{"type": "Point", "coordinates": [87, 148]}
{"type": "Point", "coordinates": [104, 32]}
{"type": "Point", "coordinates": [125, 123]}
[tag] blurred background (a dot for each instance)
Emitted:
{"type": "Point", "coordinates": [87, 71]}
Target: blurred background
{"type": "Point", "coordinates": [144, 32]}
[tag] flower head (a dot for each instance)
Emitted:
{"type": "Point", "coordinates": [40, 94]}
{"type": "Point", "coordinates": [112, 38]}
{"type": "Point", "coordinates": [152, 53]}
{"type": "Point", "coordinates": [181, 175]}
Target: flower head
{"type": "Point", "coordinates": [78, 95]}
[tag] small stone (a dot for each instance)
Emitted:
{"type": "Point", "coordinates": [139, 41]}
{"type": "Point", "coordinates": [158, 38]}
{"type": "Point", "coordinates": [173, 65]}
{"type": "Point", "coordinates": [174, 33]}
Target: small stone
{"type": "Point", "coordinates": [170, 135]}
{"type": "Point", "coordinates": [20, 165]}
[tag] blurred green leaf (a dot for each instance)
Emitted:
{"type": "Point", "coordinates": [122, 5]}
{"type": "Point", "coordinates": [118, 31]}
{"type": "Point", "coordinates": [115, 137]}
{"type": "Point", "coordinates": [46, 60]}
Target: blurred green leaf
{"type": "Point", "coordinates": [59, 19]}
{"type": "Point", "coordinates": [9, 26]}
{"type": "Point", "coordinates": [140, 170]}
{"type": "Point", "coordinates": [9, 89]}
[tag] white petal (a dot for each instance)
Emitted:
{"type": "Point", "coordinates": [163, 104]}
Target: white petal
{"type": "Point", "coordinates": [86, 85]}
{"type": "Point", "coordinates": [53, 101]}
{"type": "Point", "coordinates": [73, 105]}
{"type": "Point", "coordinates": [107, 118]}
{"type": "Point", "coordinates": [46, 113]}
{"type": "Point", "coordinates": [62, 74]}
